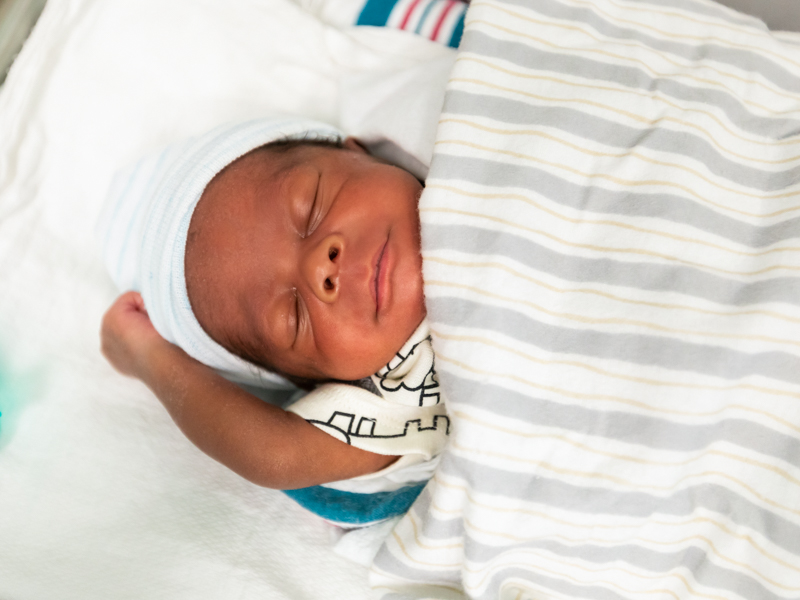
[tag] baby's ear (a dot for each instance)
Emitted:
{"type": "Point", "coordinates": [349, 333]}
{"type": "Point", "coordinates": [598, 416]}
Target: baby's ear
{"type": "Point", "coordinates": [351, 143]}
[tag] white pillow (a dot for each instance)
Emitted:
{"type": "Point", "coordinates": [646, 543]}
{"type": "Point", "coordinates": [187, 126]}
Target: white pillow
{"type": "Point", "coordinates": [395, 114]}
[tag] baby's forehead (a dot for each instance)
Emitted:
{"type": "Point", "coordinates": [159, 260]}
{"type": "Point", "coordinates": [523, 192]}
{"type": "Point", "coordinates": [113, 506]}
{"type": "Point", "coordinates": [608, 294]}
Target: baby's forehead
{"type": "Point", "coordinates": [263, 179]}
{"type": "Point", "coordinates": [276, 163]}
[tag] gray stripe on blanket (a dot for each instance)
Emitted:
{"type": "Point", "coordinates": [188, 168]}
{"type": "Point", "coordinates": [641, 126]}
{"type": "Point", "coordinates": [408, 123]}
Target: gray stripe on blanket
{"type": "Point", "coordinates": [711, 9]}
{"type": "Point", "coordinates": [702, 566]}
{"type": "Point", "coordinates": [533, 579]}
{"type": "Point", "coordinates": [442, 576]}
{"type": "Point", "coordinates": [594, 198]}
{"type": "Point", "coordinates": [629, 428]}
{"type": "Point", "coordinates": [636, 275]}
{"type": "Point", "coordinates": [438, 593]}
{"type": "Point", "coordinates": [611, 133]}
{"type": "Point", "coordinates": [708, 52]}
{"type": "Point", "coordinates": [437, 528]}
{"type": "Point", "coordinates": [599, 501]}
{"type": "Point", "coordinates": [637, 349]}
{"type": "Point", "coordinates": [631, 77]}
{"type": "Point", "coordinates": [422, 505]}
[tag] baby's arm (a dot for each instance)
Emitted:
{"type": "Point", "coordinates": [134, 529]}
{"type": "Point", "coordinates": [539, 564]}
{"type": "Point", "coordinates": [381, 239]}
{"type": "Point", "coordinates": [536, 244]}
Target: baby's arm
{"type": "Point", "coordinates": [259, 441]}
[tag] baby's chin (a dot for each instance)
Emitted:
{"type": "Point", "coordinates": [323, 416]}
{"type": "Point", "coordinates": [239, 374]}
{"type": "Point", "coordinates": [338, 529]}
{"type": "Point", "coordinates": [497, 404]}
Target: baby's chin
{"type": "Point", "coordinates": [383, 353]}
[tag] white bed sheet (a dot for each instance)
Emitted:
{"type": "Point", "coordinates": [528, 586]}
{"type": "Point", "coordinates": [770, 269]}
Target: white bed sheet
{"type": "Point", "coordinates": [100, 495]}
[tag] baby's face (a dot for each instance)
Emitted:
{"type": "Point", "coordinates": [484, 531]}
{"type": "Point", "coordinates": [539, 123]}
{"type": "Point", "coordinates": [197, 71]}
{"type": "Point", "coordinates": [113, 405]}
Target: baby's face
{"type": "Point", "coordinates": [308, 260]}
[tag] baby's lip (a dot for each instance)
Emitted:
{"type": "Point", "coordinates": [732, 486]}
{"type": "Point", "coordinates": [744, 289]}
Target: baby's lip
{"type": "Point", "coordinates": [379, 277]}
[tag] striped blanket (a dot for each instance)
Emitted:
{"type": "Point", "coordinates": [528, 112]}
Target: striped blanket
{"type": "Point", "coordinates": [612, 266]}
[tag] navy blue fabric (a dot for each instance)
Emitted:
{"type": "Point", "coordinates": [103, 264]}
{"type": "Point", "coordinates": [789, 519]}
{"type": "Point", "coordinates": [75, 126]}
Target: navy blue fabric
{"type": "Point", "coordinates": [352, 508]}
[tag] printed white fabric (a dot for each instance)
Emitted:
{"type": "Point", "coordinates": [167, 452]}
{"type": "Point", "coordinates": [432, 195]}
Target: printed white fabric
{"type": "Point", "coordinates": [398, 411]}
{"type": "Point", "coordinates": [611, 252]}
{"type": "Point", "coordinates": [376, 109]}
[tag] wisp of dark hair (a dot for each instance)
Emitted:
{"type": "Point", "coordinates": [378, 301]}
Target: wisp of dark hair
{"type": "Point", "coordinates": [286, 144]}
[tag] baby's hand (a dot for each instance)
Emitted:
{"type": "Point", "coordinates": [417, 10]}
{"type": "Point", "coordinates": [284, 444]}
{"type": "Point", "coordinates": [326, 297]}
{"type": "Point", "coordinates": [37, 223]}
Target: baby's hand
{"type": "Point", "coordinates": [127, 337]}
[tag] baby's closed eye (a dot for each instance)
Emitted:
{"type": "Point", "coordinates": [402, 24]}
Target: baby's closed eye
{"type": "Point", "coordinates": [314, 209]}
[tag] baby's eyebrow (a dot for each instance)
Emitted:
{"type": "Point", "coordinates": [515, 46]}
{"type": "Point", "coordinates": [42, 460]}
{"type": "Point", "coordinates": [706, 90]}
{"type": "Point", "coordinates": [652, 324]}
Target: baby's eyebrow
{"type": "Point", "coordinates": [297, 192]}
{"type": "Point", "coordinates": [282, 178]}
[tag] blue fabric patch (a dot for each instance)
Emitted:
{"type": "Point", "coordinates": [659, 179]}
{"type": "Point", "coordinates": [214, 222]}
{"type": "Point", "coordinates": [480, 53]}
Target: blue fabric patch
{"type": "Point", "coordinates": [376, 12]}
{"type": "Point", "coordinates": [455, 39]}
{"type": "Point", "coordinates": [352, 508]}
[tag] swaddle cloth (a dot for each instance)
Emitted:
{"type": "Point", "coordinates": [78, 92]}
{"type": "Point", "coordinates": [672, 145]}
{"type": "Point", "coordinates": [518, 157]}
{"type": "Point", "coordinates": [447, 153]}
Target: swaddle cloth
{"type": "Point", "coordinates": [146, 218]}
{"type": "Point", "coordinates": [397, 411]}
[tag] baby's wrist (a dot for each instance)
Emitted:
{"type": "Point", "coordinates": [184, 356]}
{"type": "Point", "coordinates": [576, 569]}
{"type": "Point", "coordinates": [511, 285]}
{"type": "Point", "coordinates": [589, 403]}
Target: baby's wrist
{"type": "Point", "coordinates": [159, 361]}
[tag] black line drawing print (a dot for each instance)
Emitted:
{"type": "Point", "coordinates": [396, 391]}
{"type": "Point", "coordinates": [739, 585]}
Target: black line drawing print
{"type": "Point", "coordinates": [342, 423]}
{"type": "Point", "coordinates": [366, 384]}
{"type": "Point", "coordinates": [427, 387]}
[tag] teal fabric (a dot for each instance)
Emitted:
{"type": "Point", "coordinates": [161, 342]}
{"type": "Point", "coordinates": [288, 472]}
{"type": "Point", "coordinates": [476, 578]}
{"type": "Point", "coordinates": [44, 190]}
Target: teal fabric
{"type": "Point", "coordinates": [349, 508]}
{"type": "Point", "coordinates": [455, 39]}
{"type": "Point", "coordinates": [376, 12]}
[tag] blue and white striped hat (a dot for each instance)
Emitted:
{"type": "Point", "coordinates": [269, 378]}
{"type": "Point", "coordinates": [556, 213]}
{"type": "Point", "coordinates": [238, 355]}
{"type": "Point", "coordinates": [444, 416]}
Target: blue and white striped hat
{"type": "Point", "coordinates": [145, 221]}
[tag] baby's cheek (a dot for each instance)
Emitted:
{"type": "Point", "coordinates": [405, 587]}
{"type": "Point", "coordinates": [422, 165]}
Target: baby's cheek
{"type": "Point", "coordinates": [351, 349]}
{"type": "Point", "coordinates": [413, 297]}
{"type": "Point", "coordinates": [361, 349]}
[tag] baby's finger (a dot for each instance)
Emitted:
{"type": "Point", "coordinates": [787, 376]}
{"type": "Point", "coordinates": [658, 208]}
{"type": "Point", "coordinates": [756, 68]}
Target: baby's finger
{"type": "Point", "coordinates": [130, 305]}
{"type": "Point", "coordinates": [129, 300]}
{"type": "Point", "coordinates": [137, 300]}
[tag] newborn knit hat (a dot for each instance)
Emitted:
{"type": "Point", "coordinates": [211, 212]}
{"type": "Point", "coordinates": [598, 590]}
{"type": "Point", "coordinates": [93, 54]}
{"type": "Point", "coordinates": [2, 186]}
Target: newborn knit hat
{"type": "Point", "coordinates": [145, 221]}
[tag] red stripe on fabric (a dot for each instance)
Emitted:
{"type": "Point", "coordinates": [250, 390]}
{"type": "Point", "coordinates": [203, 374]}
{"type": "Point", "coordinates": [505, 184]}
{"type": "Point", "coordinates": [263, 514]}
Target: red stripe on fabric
{"type": "Point", "coordinates": [442, 16]}
{"type": "Point", "coordinates": [408, 14]}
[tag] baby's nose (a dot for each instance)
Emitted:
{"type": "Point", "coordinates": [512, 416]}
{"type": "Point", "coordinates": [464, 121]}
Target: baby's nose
{"type": "Point", "coordinates": [321, 267]}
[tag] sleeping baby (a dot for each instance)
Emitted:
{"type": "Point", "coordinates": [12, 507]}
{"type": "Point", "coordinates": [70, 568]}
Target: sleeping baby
{"type": "Point", "coordinates": [270, 252]}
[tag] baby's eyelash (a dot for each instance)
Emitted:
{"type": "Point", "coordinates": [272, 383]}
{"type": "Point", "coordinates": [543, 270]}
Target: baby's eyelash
{"type": "Point", "coordinates": [313, 212]}
{"type": "Point", "coordinates": [296, 316]}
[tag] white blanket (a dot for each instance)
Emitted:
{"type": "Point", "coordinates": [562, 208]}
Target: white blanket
{"type": "Point", "coordinates": [100, 494]}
